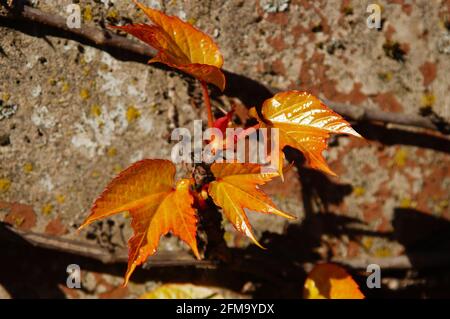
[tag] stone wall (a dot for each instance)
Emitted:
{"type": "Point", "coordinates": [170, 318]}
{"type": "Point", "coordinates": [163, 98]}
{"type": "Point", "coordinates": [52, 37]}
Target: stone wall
{"type": "Point", "coordinates": [74, 115]}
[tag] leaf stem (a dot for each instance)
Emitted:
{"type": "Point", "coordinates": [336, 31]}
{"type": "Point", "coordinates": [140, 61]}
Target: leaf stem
{"type": "Point", "coordinates": [248, 131]}
{"type": "Point", "coordinates": [207, 103]}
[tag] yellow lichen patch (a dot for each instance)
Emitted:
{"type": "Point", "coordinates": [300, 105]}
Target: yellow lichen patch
{"type": "Point", "coordinates": [60, 198]}
{"type": "Point", "coordinates": [18, 221]}
{"type": "Point", "coordinates": [28, 167]}
{"type": "Point", "coordinates": [441, 206]}
{"type": "Point", "coordinates": [103, 67]}
{"type": "Point", "coordinates": [86, 70]}
{"type": "Point", "coordinates": [347, 10]}
{"type": "Point", "coordinates": [359, 191]}
{"type": "Point", "coordinates": [406, 202]}
{"type": "Point", "coordinates": [228, 237]}
{"type": "Point", "coordinates": [96, 111]}
{"type": "Point", "coordinates": [367, 242]}
{"type": "Point", "coordinates": [383, 252]}
{"type": "Point", "coordinates": [400, 157]}
{"type": "Point", "coordinates": [154, 107]}
{"type": "Point", "coordinates": [6, 97]}
{"type": "Point", "coordinates": [385, 76]}
{"type": "Point", "coordinates": [192, 21]}
{"type": "Point", "coordinates": [5, 184]}
{"type": "Point", "coordinates": [112, 151]}
{"type": "Point", "coordinates": [428, 99]}
{"type": "Point", "coordinates": [132, 114]}
{"type": "Point", "coordinates": [95, 174]}
{"type": "Point", "coordinates": [85, 94]}
{"type": "Point", "coordinates": [47, 209]}
{"type": "Point", "coordinates": [113, 14]}
{"type": "Point", "coordinates": [65, 87]}
{"type": "Point", "coordinates": [126, 214]}
{"type": "Point", "coordinates": [87, 13]}
{"type": "Point", "coordinates": [52, 81]}
{"type": "Point", "coordinates": [117, 168]}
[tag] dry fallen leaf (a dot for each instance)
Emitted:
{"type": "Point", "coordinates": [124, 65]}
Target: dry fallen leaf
{"type": "Point", "coordinates": [180, 45]}
{"type": "Point", "coordinates": [304, 123]}
{"type": "Point", "coordinates": [236, 188]}
{"type": "Point", "coordinates": [329, 281]}
{"type": "Point", "coordinates": [146, 191]}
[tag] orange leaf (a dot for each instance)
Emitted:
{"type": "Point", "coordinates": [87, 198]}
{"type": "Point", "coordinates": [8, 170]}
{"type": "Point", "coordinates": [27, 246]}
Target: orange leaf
{"type": "Point", "coordinates": [236, 188]}
{"type": "Point", "coordinates": [304, 123]}
{"type": "Point", "coordinates": [329, 281]}
{"type": "Point", "coordinates": [146, 191]}
{"type": "Point", "coordinates": [180, 45]}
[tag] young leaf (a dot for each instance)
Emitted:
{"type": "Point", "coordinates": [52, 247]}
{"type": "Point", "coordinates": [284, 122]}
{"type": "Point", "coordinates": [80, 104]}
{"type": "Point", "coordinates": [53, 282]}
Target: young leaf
{"type": "Point", "coordinates": [304, 123]}
{"type": "Point", "coordinates": [329, 281]}
{"type": "Point", "coordinates": [222, 122]}
{"type": "Point", "coordinates": [236, 188]}
{"type": "Point", "coordinates": [146, 191]}
{"type": "Point", "coordinates": [180, 45]}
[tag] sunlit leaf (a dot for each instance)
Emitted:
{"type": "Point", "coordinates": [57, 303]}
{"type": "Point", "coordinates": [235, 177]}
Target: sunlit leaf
{"type": "Point", "coordinates": [329, 281]}
{"type": "Point", "coordinates": [304, 123]}
{"type": "Point", "coordinates": [146, 190]}
{"type": "Point", "coordinates": [180, 45]}
{"type": "Point", "coordinates": [182, 291]}
{"type": "Point", "coordinates": [236, 189]}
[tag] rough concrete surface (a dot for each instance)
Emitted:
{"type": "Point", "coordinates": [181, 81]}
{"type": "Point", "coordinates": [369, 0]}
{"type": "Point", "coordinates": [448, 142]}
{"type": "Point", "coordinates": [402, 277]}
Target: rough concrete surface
{"type": "Point", "coordinates": [74, 116]}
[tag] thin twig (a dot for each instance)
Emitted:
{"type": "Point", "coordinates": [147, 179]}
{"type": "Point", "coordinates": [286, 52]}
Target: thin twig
{"type": "Point", "coordinates": [418, 260]}
{"type": "Point", "coordinates": [93, 251]}
{"type": "Point", "coordinates": [367, 114]}
{"type": "Point", "coordinates": [107, 39]}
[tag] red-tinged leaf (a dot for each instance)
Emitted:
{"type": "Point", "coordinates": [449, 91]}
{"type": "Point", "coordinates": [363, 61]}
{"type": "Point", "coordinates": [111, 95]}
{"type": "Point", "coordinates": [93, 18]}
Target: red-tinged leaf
{"type": "Point", "coordinates": [236, 189]}
{"type": "Point", "coordinates": [146, 191]}
{"type": "Point", "coordinates": [180, 45]}
{"type": "Point", "coordinates": [329, 281]}
{"type": "Point", "coordinates": [222, 122]}
{"type": "Point", "coordinates": [304, 123]}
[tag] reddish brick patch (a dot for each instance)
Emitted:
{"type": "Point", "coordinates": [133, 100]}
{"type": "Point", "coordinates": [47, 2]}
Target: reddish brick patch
{"type": "Point", "coordinates": [280, 18]}
{"type": "Point", "coordinates": [56, 228]}
{"type": "Point", "coordinates": [406, 8]}
{"type": "Point", "coordinates": [20, 215]}
{"type": "Point", "coordinates": [277, 42]}
{"type": "Point", "coordinates": [320, 84]}
{"type": "Point", "coordinates": [298, 31]}
{"type": "Point", "coordinates": [405, 47]}
{"type": "Point", "coordinates": [278, 67]}
{"type": "Point", "coordinates": [290, 188]}
{"type": "Point", "coordinates": [388, 102]}
{"type": "Point", "coordinates": [115, 293]}
{"type": "Point", "coordinates": [429, 71]}
{"type": "Point", "coordinates": [384, 225]}
{"type": "Point", "coordinates": [352, 249]}
{"type": "Point", "coordinates": [390, 30]}
{"type": "Point", "coordinates": [372, 212]}
{"type": "Point", "coordinates": [71, 293]}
